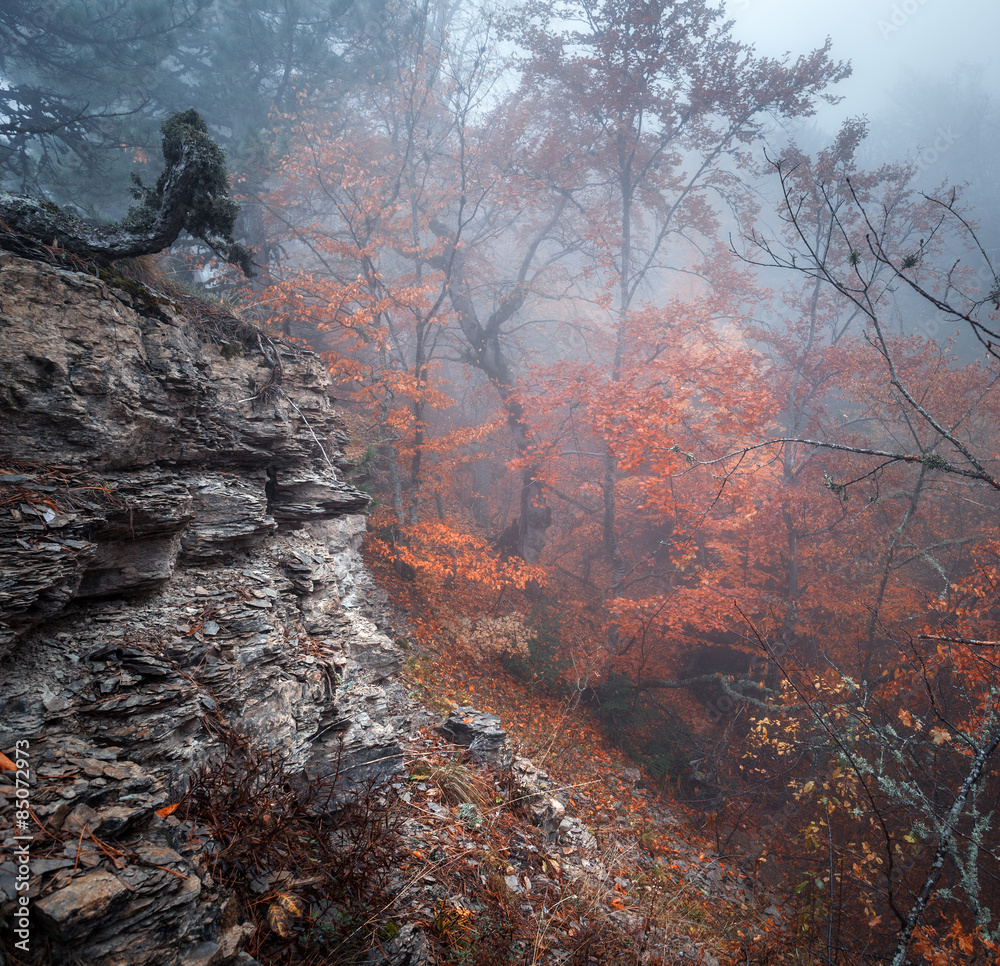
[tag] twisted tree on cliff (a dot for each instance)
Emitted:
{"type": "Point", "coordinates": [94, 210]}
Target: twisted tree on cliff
{"type": "Point", "coordinates": [192, 194]}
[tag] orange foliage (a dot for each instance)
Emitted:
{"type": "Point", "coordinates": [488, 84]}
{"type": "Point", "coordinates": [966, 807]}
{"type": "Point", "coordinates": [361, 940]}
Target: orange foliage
{"type": "Point", "coordinates": [826, 605]}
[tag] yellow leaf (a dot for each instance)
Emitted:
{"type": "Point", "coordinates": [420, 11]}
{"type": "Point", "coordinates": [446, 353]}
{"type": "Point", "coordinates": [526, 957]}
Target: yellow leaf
{"type": "Point", "coordinates": [282, 913]}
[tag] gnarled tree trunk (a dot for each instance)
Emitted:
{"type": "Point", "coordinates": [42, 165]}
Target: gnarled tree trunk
{"type": "Point", "coordinates": [192, 194]}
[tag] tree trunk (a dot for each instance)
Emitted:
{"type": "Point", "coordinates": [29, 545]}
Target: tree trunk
{"type": "Point", "coordinates": [612, 551]}
{"type": "Point", "coordinates": [486, 354]}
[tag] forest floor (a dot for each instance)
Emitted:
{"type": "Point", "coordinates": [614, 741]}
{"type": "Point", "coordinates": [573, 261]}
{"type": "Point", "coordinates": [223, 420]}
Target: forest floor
{"type": "Point", "coordinates": [584, 861]}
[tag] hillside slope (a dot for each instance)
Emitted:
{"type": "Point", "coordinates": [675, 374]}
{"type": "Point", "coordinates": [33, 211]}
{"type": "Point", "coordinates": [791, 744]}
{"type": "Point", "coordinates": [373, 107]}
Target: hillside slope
{"type": "Point", "coordinates": [209, 757]}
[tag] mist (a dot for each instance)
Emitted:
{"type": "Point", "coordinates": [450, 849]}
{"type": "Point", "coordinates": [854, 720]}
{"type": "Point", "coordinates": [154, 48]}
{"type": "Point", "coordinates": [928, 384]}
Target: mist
{"type": "Point", "coordinates": [890, 45]}
{"type": "Point", "coordinates": [670, 354]}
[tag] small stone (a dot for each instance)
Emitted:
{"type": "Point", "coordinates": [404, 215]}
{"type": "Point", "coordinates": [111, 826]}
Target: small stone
{"type": "Point", "coordinates": [202, 955]}
{"type": "Point", "coordinates": [72, 910]}
{"type": "Point", "coordinates": [41, 866]}
{"type": "Point", "coordinates": [83, 816]}
{"type": "Point", "coordinates": [156, 854]}
{"type": "Point", "coordinates": [123, 771]}
{"type": "Point", "coordinates": [83, 856]}
{"type": "Point", "coordinates": [115, 819]}
{"type": "Point", "coordinates": [92, 768]}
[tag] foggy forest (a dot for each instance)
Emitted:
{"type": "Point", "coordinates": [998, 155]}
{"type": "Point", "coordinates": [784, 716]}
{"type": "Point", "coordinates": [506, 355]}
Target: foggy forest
{"type": "Point", "coordinates": [674, 383]}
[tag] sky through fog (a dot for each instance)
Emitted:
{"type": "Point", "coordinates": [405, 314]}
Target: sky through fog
{"type": "Point", "coordinates": [887, 41]}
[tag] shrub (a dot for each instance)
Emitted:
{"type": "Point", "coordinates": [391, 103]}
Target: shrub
{"type": "Point", "coordinates": [309, 864]}
{"type": "Point", "coordinates": [541, 663]}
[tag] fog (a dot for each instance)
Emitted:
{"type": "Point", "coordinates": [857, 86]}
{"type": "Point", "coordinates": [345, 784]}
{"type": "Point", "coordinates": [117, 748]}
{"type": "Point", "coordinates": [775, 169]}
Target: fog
{"type": "Point", "coordinates": [888, 43]}
{"type": "Point", "coordinates": [650, 372]}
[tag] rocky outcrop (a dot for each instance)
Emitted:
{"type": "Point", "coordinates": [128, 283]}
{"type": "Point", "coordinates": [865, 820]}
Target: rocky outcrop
{"type": "Point", "coordinates": [479, 732]}
{"type": "Point", "coordinates": [178, 560]}
{"type": "Point", "coordinates": [139, 441]}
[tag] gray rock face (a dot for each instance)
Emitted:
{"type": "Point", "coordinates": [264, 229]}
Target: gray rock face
{"type": "Point", "coordinates": [177, 558]}
{"type": "Point", "coordinates": [308, 496]}
{"type": "Point", "coordinates": [464, 726]}
{"type": "Point", "coordinates": [478, 730]}
{"type": "Point", "coordinates": [227, 513]}
{"type": "Point", "coordinates": [136, 439]}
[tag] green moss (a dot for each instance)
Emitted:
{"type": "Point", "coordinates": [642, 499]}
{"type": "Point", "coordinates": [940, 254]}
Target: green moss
{"type": "Point", "coordinates": [149, 301]}
{"type": "Point", "coordinates": [210, 213]}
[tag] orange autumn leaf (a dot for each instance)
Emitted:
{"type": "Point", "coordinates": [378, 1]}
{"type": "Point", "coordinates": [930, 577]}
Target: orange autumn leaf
{"type": "Point", "coordinates": [961, 938]}
{"type": "Point", "coordinates": [168, 810]}
{"type": "Point", "coordinates": [6, 764]}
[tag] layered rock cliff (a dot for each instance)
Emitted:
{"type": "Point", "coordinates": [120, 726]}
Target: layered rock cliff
{"type": "Point", "coordinates": [190, 664]}
{"type": "Point", "coordinates": [178, 561]}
